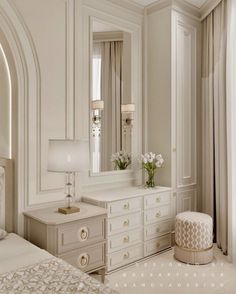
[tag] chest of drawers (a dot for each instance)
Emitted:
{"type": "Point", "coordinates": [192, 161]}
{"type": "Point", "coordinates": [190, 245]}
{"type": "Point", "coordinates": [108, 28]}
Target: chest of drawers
{"type": "Point", "coordinates": [138, 224]}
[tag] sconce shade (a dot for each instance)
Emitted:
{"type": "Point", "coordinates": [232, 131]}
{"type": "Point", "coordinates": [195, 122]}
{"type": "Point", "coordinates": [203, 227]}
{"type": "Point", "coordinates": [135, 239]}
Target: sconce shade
{"type": "Point", "coordinates": [68, 155]}
{"type": "Point", "coordinates": [97, 105]}
{"type": "Point", "coordinates": [128, 108]}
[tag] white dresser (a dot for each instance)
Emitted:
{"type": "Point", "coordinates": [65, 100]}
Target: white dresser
{"type": "Point", "coordinates": [138, 224]}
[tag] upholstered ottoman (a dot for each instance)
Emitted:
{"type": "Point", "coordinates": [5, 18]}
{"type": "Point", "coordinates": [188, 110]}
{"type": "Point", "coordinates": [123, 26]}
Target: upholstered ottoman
{"type": "Point", "coordinates": [193, 238]}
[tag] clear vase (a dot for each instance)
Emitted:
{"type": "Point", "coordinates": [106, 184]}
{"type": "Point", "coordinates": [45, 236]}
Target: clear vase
{"type": "Point", "coordinates": [150, 183]}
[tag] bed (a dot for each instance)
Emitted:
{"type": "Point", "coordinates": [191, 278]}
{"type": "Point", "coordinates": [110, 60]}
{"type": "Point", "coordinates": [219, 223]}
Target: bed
{"type": "Point", "coordinates": [25, 268]}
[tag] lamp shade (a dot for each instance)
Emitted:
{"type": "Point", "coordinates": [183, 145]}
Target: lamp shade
{"type": "Point", "coordinates": [68, 155]}
{"type": "Point", "coordinates": [97, 105]}
{"type": "Point", "coordinates": [129, 108]}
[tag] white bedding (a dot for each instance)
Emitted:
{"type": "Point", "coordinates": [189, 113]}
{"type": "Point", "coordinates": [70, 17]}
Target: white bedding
{"type": "Point", "coordinates": [16, 252]}
{"type": "Point", "coordinates": [25, 268]}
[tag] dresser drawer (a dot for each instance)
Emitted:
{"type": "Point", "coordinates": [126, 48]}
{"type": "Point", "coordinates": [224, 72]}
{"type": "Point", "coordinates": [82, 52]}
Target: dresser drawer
{"type": "Point", "coordinates": [124, 223]}
{"type": "Point", "coordinates": [80, 233]}
{"type": "Point", "coordinates": [156, 230]}
{"type": "Point", "coordinates": [158, 199]}
{"type": "Point", "coordinates": [86, 259]}
{"type": "Point", "coordinates": [157, 245]}
{"type": "Point", "coordinates": [124, 240]}
{"type": "Point", "coordinates": [123, 257]}
{"type": "Point", "coordinates": [157, 214]}
{"type": "Point", "coordinates": [124, 206]}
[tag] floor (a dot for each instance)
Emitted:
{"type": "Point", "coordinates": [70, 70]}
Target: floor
{"type": "Point", "coordinates": [163, 274]}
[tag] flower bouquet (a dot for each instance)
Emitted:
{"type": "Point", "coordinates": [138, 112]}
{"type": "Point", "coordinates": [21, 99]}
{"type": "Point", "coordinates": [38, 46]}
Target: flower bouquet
{"type": "Point", "coordinates": [121, 160]}
{"type": "Point", "coordinates": [150, 162]}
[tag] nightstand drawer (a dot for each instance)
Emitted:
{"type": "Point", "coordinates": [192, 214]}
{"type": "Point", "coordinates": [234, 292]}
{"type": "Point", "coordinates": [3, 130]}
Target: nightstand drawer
{"type": "Point", "coordinates": [86, 259]}
{"type": "Point", "coordinates": [156, 230]}
{"type": "Point", "coordinates": [155, 200]}
{"type": "Point", "coordinates": [157, 214]}
{"type": "Point", "coordinates": [157, 245]}
{"type": "Point", "coordinates": [81, 233]}
{"type": "Point", "coordinates": [124, 206]}
{"type": "Point", "coordinates": [124, 240]}
{"type": "Point", "coordinates": [123, 257]}
{"type": "Point", "coordinates": [124, 223]}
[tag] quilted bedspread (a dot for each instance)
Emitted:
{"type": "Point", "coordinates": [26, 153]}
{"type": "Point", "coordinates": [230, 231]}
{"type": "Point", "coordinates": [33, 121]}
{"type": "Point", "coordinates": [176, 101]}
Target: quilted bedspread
{"type": "Point", "coordinates": [50, 276]}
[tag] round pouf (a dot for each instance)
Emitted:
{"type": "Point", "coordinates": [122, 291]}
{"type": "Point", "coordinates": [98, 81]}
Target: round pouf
{"type": "Point", "coordinates": [193, 238]}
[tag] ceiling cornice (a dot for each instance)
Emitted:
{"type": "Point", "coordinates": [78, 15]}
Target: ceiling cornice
{"type": "Point", "coordinates": [181, 5]}
{"type": "Point", "coordinates": [208, 7]}
{"type": "Point", "coordinates": [130, 5]}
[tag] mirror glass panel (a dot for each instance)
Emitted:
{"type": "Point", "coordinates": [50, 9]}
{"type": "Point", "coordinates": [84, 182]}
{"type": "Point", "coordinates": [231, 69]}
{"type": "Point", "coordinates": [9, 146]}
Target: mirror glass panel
{"type": "Point", "coordinates": [111, 98]}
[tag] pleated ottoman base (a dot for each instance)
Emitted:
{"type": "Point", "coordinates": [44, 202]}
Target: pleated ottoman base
{"type": "Point", "coordinates": [193, 256]}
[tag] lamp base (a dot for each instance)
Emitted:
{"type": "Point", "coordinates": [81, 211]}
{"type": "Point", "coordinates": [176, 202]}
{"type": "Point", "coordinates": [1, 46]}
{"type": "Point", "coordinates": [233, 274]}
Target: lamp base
{"type": "Point", "coordinates": [68, 210]}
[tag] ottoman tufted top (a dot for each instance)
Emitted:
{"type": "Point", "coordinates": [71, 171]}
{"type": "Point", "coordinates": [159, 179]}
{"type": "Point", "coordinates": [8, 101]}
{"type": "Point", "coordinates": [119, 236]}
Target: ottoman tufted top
{"type": "Point", "coordinates": [193, 230]}
{"type": "Point", "coordinates": [192, 216]}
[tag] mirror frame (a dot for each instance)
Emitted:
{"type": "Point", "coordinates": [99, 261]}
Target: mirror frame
{"type": "Point", "coordinates": [125, 20]}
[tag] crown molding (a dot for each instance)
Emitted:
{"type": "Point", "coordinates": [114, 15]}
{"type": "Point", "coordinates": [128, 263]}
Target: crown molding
{"type": "Point", "coordinates": [207, 7]}
{"type": "Point", "coordinates": [178, 5]}
{"type": "Point", "coordinates": [129, 5]}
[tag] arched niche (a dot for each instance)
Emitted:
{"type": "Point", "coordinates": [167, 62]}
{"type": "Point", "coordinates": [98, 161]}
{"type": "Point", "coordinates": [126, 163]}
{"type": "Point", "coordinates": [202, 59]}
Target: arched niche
{"type": "Point", "coordinates": [19, 53]}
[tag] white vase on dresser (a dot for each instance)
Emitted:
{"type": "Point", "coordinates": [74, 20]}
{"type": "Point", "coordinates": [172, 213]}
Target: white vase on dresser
{"type": "Point", "coordinates": [138, 224]}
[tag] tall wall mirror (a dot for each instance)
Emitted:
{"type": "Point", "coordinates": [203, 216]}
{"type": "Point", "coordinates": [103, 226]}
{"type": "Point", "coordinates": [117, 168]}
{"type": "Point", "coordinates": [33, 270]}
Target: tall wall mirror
{"type": "Point", "coordinates": [111, 106]}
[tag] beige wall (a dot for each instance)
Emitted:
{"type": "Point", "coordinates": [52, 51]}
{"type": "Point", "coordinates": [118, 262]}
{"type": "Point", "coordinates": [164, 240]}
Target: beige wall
{"type": "Point", "coordinates": [50, 48]}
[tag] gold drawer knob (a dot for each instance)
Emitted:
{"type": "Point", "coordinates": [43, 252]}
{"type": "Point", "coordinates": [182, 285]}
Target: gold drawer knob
{"type": "Point", "coordinates": [126, 222]}
{"type": "Point", "coordinates": [83, 260]}
{"type": "Point", "coordinates": [158, 200]}
{"type": "Point", "coordinates": [158, 214]}
{"type": "Point", "coordinates": [158, 244]}
{"type": "Point", "coordinates": [126, 239]}
{"type": "Point", "coordinates": [158, 230]}
{"type": "Point", "coordinates": [126, 206]}
{"type": "Point", "coordinates": [126, 255]}
{"type": "Point", "coordinates": [83, 234]}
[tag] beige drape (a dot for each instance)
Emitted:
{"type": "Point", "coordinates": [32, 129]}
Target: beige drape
{"type": "Point", "coordinates": [112, 53]}
{"type": "Point", "coordinates": [214, 189]}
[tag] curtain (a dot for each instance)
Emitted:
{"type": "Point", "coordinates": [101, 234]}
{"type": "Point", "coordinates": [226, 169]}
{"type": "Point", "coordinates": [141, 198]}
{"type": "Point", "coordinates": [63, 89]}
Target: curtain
{"type": "Point", "coordinates": [214, 184]}
{"type": "Point", "coordinates": [111, 81]}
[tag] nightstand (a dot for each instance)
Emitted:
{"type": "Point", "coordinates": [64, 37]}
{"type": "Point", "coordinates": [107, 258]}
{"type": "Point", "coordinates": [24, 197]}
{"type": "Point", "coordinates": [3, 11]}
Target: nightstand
{"type": "Point", "coordinates": [77, 238]}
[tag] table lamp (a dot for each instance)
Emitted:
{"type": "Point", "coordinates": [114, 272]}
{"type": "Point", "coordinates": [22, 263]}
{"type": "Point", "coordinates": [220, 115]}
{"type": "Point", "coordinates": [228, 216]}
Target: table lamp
{"type": "Point", "coordinates": [68, 156]}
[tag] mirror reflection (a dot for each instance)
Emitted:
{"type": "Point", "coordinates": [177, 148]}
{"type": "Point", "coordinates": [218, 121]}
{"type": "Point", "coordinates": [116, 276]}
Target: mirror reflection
{"type": "Point", "coordinates": [111, 104]}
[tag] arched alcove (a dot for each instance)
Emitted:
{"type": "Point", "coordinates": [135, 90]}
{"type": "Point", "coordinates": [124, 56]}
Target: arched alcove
{"type": "Point", "coordinates": [19, 65]}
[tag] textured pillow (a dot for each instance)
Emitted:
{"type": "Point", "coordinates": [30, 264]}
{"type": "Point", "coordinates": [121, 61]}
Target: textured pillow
{"type": "Point", "coordinates": [2, 234]}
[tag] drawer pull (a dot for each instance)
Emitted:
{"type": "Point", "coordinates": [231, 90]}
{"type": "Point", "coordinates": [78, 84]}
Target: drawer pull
{"type": "Point", "coordinates": [158, 230]}
{"type": "Point", "coordinates": [158, 244]}
{"type": "Point", "coordinates": [83, 234]}
{"type": "Point", "coordinates": [158, 200]}
{"type": "Point", "coordinates": [126, 222]}
{"type": "Point", "coordinates": [83, 260]}
{"type": "Point", "coordinates": [126, 239]}
{"type": "Point", "coordinates": [158, 214]}
{"type": "Point", "coordinates": [126, 255]}
{"type": "Point", "coordinates": [126, 206]}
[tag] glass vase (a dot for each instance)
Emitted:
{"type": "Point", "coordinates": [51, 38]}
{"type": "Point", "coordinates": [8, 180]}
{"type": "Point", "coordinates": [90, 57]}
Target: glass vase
{"type": "Point", "coordinates": [150, 183]}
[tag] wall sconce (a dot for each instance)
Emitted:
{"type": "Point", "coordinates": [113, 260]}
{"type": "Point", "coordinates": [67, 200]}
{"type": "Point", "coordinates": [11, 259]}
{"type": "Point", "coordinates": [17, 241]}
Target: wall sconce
{"type": "Point", "coordinates": [128, 109]}
{"type": "Point", "coordinates": [97, 107]}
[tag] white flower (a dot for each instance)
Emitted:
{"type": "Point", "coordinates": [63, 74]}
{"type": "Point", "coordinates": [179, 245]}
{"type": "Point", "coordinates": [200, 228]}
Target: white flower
{"type": "Point", "coordinates": [151, 157]}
